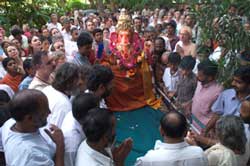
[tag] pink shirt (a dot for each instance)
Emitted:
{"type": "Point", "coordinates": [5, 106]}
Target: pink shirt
{"type": "Point", "coordinates": [204, 97]}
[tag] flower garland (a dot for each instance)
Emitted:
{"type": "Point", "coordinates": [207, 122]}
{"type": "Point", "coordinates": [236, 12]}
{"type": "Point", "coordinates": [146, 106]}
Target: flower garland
{"type": "Point", "coordinates": [126, 60]}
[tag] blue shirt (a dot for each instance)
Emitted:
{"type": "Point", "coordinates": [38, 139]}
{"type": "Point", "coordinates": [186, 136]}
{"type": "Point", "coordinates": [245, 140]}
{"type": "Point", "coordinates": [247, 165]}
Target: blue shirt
{"type": "Point", "coordinates": [1, 51]}
{"type": "Point", "coordinates": [26, 149]}
{"type": "Point", "coordinates": [227, 103]}
{"type": "Point", "coordinates": [80, 60]}
{"type": "Point", "coordinates": [25, 83]}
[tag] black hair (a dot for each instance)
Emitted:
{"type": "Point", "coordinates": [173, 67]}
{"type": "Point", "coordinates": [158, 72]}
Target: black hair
{"type": "Point", "coordinates": [82, 103]}
{"type": "Point", "coordinates": [172, 23]}
{"type": "Point", "coordinates": [191, 15]}
{"type": "Point", "coordinates": [84, 39]}
{"type": "Point", "coordinates": [137, 18]}
{"type": "Point", "coordinates": [164, 49]}
{"type": "Point", "coordinates": [114, 19]}
{"type": "Point", "coordinates": [85, 71]}
{"type": "Point", "coordinates": [30, 38]}
{"type": "Point", "coordinates": [37, 57]}
{"type": "Point", "coordinates": [99, 75]}
{"type": "Point", "coordinates": [97, 123]}
{"type": "Point", "coordinates": [88, 20]}
{"type": "Point", "coordinates": [25, 102]}
{"type": "Point", "coordinates": [149, 29]}
{"type": "Point", "coordinates": [187, 63]}
{"type": "Point", "coordinates": [27, 65]}
{"type": "Point", "coordinates": [96, 30]}
{"type": "Point", "coordinates": [43, 38]}
{"type": "Point", "coordinates": [209, 68]}
{"type": "Point", "coordinates": [161, 38]}
{"type": "Point", "coordinates": [106, 29]}
{"type": "Point", "coordinates": [244, 73]}
{"type": "Point", "coordinates": [233, 6]}
{"type": "Point", "coordinates": [6, 61]}
{"type": "Point", "coordinates": [4, 114]}
{"type": "Point", "coordinates": [145, 20]}
{"type": "Point", "coordinates": [174, 124]}
{"type": "Point", "coordinates": [65, 76]}
{"type": "Point", "coordinates": [4, 97]}
{"type": "Point", "coordinates": [16, 31]}
{"type": "Point", "coordinates": [73, 29]}
{"type": "Point", "coordinates": [4, 111]}
{"type": "Point", "coordinates": [245, 55]}
{"type": "Point", "coordinates": [174, 58]}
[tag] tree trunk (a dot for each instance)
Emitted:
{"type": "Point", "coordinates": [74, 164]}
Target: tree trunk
{"type": "Point", "coordinates": [100, 6]}
{"type": "Point", "coordinates": [92, 4]}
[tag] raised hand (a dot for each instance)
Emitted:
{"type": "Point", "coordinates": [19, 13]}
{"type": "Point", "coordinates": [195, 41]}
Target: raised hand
{"type": "Point", "coordinates": [121, 152]}
{"type": "Point", "coordinates": [56, 135]}
{"type": "Point", "coordinates": [190, 138]}
{"type": "Point", "coordinates": [180, 50]}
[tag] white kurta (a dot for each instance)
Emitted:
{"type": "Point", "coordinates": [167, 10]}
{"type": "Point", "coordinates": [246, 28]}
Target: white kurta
{"type": "Point", "coordinates": [59, 105]}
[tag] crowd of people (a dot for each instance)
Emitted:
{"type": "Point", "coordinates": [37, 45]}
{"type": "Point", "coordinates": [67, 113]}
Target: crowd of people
{"type": "Point", "coordinates": [82, 90]}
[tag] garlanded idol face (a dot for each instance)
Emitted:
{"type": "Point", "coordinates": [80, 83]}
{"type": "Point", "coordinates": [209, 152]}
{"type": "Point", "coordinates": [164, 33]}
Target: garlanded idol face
{"type": "Point", "coordinates": [123, 43]}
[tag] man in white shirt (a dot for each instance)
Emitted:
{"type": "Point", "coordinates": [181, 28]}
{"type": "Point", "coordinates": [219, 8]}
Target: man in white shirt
{"type": "Point", "coordinates": [171, 74]}
{"type": "Point", "coordinates": [44, 65]}
{"type": "Point", "coordinates": [54, 22]}
{"type": "Point", "coordinates": [70, 45]}
{"type": "Point", "coordinates": [90, 26]}
{"type": "Point", "coordinates": [66, 29]}
{"type": "Point", "coordinates": [23, 143]}
{"type": "Point", "coordinates": [146, 11]}
{"type": "Point", "coordinates": [174, 150]}
{"type": "Point", "coordinates": [64, 85]}
{"type": "Point", "coordinates": [99, 82]}
{"type": "Point", "coordinates": [97, 149]}
{"type": "Point", "coordinates": [72, 130]}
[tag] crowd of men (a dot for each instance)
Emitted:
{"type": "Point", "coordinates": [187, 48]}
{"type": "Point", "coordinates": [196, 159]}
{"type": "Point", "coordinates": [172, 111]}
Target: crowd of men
{"type": "Point", "coordinates": [53, 87]}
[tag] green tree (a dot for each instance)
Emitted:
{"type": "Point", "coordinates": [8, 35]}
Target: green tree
{"type": "Point", "coordinates": [216, 23]}
{"type": "Point", "coordinates": [33, 12]}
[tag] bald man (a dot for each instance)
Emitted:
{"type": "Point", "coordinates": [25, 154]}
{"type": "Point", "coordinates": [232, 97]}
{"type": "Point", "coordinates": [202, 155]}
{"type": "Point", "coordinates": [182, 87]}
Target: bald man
{"type": "Point", "coordinates": [174, 150]}
{"type": "Point", "coordinates": [22, 140]}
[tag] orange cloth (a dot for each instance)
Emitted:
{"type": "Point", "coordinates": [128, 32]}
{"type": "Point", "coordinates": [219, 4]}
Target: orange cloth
{"type": "Point", "coordinates": [147, 85]}
{"type": "Point", "coordinates": [11, 81]}
{"type": "Point", "coordinates": [133, 92]}
{"type": "Point", "coordinates": [215, 44]}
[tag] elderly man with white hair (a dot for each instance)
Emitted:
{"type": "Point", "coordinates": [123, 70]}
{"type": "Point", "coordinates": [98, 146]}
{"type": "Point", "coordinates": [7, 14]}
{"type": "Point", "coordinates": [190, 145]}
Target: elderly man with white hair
{"type": "Point", "coordinates": [185, 46]}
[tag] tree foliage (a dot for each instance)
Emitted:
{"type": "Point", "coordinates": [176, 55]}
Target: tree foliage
{"type": "Point", "coordinates": [34, 12]}
{"type": "Point", "coordinates": [217, 24]}
{"type": "Point", "coordinates": [140, 4]}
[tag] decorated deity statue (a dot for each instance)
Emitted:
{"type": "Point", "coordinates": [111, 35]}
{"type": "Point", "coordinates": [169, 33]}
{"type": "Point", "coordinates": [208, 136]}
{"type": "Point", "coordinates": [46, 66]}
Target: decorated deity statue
{"type": "Point", "coordinates": [132, 99]}
{"type": "Point", "coordinates": [126, 46]}
{"type": "Point", "coordinates": [133, 80]}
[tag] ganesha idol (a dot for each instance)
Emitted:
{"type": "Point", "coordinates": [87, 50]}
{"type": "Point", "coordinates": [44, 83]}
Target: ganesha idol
{"type": "Point", "coordinates": [133, 86]}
